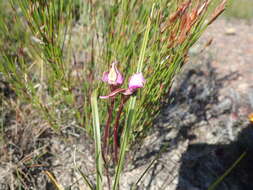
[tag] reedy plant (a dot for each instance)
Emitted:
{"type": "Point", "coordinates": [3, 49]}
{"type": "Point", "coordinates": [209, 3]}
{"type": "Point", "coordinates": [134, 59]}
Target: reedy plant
{"type": "Point", "coordinates": [38, 72]}
{"type": "Point", "coordinates": [112, 31]}
{"type": "Point", "coordinates": [42, 73]}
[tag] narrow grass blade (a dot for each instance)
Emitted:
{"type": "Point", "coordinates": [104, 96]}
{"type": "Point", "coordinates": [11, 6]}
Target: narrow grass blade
{"type": "Point", "coordinates": [221, 178]}
{"type": "Point", "coordinates": [142, 175]}
{"type": "Point", "coordinates": [85, 179]}
{"type": "Point", "coordinates": [162, 150]}
{"type": "Point", "coordinates": [144, 43]}
{"type": "Point", "coordinates": [54, 181]}
{"type": "Point", "coordinates": [97, 137]}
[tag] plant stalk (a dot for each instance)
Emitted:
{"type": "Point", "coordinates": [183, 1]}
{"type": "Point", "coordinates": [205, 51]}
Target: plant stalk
{"type": "Point", "coordinates": [107, 127]}
{"type": "Point", "coordinates": [116, 126]}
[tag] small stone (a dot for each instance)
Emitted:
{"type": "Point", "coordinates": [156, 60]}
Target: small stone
{"type": "Point", "coordinates": [230, 31]}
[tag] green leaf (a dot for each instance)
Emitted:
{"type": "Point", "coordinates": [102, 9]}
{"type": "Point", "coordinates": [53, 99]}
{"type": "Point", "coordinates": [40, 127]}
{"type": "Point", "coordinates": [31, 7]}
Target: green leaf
{"type": "Point", "coordinates": [97, 137]}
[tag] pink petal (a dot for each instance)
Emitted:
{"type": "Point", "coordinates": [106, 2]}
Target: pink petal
{"type": "Point", "coordinates": [114, 93]}
{"type": "Point", "coordinates": [120, 78]}
{"type": "Point", "coordinates": [128, 92]}
{"type": "Point", "coordinates": [105, 77]}
{"type": "Point", "coordinates": [113, 77]}
{"type": "Point", "coordinates": [136, 81]}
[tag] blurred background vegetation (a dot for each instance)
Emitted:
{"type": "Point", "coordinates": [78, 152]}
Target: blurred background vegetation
{"type": "Point", "coordinates": [240, 9]}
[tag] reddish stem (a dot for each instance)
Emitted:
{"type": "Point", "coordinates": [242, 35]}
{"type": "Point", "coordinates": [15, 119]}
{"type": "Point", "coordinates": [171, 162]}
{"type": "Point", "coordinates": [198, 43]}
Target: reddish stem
{"type": "Point", "coordinates": [116, 127]}
{"type": "Point", "coordinates": [108, 122]}
{"type": "Point", "coordinates": [107, 127]}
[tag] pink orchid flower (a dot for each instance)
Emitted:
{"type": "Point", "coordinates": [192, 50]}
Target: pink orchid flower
{"type": "Point", "coordinates": [113, 77]}
{"type": "Point", "coordinates": [136, 81]}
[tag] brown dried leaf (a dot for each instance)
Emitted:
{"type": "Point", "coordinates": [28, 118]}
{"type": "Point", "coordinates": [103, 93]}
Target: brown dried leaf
{"type": "Point", "coordinates": [218, 11]}
{"type": "Point", "coordinates": [179, 12]}
{"type": "Point", "coordinates": [203, 7]}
